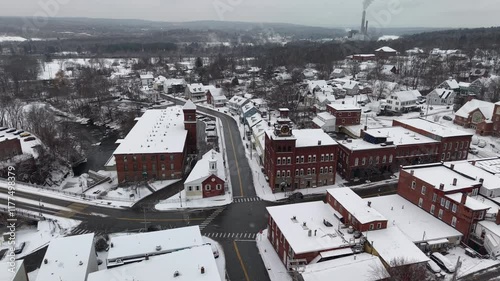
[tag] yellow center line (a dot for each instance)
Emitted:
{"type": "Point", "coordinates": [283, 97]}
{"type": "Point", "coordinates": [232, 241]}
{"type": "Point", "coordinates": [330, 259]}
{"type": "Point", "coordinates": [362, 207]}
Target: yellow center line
{"type": "Point", "coordinates": [236, 159]}
{"type": "Point", "coordinates": [161, 220]}
{"type": "Point", "coordinates": [241, 261]}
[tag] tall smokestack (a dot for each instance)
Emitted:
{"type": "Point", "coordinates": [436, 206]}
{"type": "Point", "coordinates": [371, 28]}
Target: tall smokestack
{"type": "Point", "coordinates": [363, 22]}
{"type": "Point", "coordinates": [366, 28]}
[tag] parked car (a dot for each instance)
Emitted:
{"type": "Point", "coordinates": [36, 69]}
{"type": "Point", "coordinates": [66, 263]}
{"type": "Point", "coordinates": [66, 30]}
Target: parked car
{"type": "Point", "coordinates": [443, 262]}
{"type": "Point", "coordinates": [473, 151]}
{"type": "Point", "coordinates": [18, 132]}
{"type": "Point", "coordinates": [30, 139]}
{"type": "Point", "coordinates": [447, 118]}
{"type": "Point", "coordinates": [475, 141]}
{"type": "Point", "coordinates": [433, 267]}
{"type": "Point", "coordinates": [23, 135]}
{"type": "Point", "coordinates": [482, 144]}
{"type": "Point", "coordinates": [11, 131]}
{"type": "Point", "coordinates": [3, 129]}
{"type": "Point", "coordinates": [215, 251]}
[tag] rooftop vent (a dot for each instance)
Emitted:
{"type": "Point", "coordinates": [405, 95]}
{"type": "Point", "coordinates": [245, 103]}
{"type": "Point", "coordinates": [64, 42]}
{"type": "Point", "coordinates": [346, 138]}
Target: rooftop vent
{"type": "Point", "coordinates": [176, 273]}
{"type": "Point", "coordinates": [80, 263]}
{"type": "Point", "coordinates": [158, 248]}
{"type": "Point", "coordinates": [294, 219]}
{"type": "Point", "coordinates": [455, 181]}
{"type": "Point", "coordinates": [202, 270]}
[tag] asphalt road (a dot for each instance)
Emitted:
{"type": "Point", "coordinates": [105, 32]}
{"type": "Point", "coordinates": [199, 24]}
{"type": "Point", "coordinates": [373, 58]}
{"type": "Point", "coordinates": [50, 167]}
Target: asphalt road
{"type": "Point", "coordinates": [234, 226]}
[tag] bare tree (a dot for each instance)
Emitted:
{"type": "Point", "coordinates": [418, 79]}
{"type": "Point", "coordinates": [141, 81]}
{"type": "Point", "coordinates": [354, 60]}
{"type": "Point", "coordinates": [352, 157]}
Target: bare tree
{"type": "Point", "coordinates": [21, 68]}
{"type": "Point", "coordinates": [402, 269]}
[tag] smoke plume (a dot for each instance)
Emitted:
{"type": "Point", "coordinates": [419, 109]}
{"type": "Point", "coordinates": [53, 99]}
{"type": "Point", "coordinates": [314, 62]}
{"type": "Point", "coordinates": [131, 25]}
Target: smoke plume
{"type": "Point", "coordinates": [367, 3]}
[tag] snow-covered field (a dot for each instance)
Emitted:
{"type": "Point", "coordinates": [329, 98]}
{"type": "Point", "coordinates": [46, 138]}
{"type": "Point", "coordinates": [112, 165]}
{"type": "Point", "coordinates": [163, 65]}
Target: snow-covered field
{"type": "Point", "coordinates": [469, 264]}
{"type": "Point", "coordinates": [6, 38]}
{"type": "Point", "coordinates": [120, 67]}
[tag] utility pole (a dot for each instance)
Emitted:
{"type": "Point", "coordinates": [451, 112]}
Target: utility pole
{"type": "Point", "coordinates": [458, 265]}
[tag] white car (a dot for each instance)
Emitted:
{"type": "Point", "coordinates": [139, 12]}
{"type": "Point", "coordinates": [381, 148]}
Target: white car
{"type": "Point", "coordinates": [443, 262]}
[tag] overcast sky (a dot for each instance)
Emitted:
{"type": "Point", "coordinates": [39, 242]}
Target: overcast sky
{"type": "Point", "coordinates": [331, 13]}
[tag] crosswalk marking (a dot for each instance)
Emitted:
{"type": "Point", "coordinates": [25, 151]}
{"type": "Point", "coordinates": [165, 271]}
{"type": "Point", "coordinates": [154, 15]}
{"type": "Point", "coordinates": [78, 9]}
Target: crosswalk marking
{"type": "Point", "coordinates": [231, 235]}
{"type": "Point", "coordinates": [208, 220]}
{"type": "Point", "coordinates": [74, 208]}
{"type": "Point", "coordinates": [79, 231]}
{"type": "Point", "coordinates": [246, 199]}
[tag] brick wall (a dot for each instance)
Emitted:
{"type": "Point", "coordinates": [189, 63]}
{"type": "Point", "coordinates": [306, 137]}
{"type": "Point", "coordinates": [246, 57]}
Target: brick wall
{"type": "Point", "coordinates": [10, 148]}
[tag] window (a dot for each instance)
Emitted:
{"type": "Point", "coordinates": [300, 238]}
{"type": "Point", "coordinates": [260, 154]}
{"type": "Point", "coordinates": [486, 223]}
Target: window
{"type": "Point", "coordinates": [309, 171]}
{"type": "Point", "coordinates": [218, 187]}
{"type": "Point", "coordinates": [288, 173]}
{"type": "Point", "coordinates": [440, 214]}
{"type": "Point", "coordinates": [379, 225]}
{"type": "Point", "coordinates": [356, 161]}
{"type": "Point", "coordinates": [331, 157]}
{"type": "Point", "coordinates": [390, 159]}
{"type": "Point", "coordinates": [370, 160]}
{"type": "Point", "coordinates": [143, 157]}
{"type": "Point", "coordinates": [278, 162]}
{"type": "Point", "coordinates": [444, 146]}
{"type": "Point", "coordinates": [278, 174]}
{"type": "Point", "coordinates": [447, 204]}
{"type": "Point", "coordinates": [363, 161]}
{"type": "Point", "coordinates": [163, 167]}
{"type": "Point", "coordinates": [125, 168]}
{"type": "Point", "coordinates": [301, 172]}
{"type": "Point", "coordinates": [442, 202]}
{"type": "Point", "coordinates": [461, 145]}
{"type": "Point", "coordinates": [434, 197]}
{"type": "Point", "coordinates": [420, 202]}
{"type": "Point", "coordinates": [384, 159]}
{"type": "Point", "coordinates": [413, 184]}
{"type": "Point", "coordinates": [309, 158]}
{"type": "Point", "coordinates": [297, 172]}
{"type": "Point", "coordinates": [322, 158]}
{"type": "Point", "coordinates": [314, 158]}
{"type": "Point", "coordinates": [314, 171]}
{"type": "Point", "coordinates": [144, 167]}
{"type": "Point", "coordinates": [454, 221]}
{"type": "Point", "coordinates": [289, 160]}
{"type": "Point", "coordinates": [432, 209]}
{"type": "Point", "coordinates": [423, 189]}
{"type": "Point", "coordinates": [321, 170]}
{"type": "Point", "coordinates": [162, 157]}
{"type": "Point", "coordinates": [377, 159]}
{"type": "Point", "coordinates": [301, 159]}
{"type": "Point", "coordinates": [331, 170]}
{"type": "Point", "coordinates": [454, 208]}
{"type": "Point", "coordinates": [190, 188]}
{"type": "Point", "coordinates": [371, 226]}
{"type": "Point", "coordinates": [153, 158]}
{"type": "Point", "coordinates": [125, 158]}
{"type": "Point", "coordinates": [134, 158]}
{"type": "Point", "coordinates": [208, 187]}
{"type": "Point", "coordinates": [460, 155]}
{"type": "Point", "coordinates": [283, 173]}
{"type": "Point", "coordinates": [442, 156]}
{"type": "Point", "coordinates": [481, 215]}
{"type": "Point", "coordinates": [448, 156]}
{"type": "Point", "coordinates": [297, 159]}
{"type": "Point", "coordinates": [197, 187]}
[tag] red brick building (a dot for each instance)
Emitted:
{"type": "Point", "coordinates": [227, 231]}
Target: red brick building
{"type": "Point", "coordinates": [354, 210]}
{"type": "Point", "coordinates": [157, 146]}
{"type": "Point", "coordinates": [301, 232]}
{"type": "Point", "coordinates": [444, 193]}
{"type": "Point", "coordinates": [382, 151]}
{"type": "Point", "coordinates": [385, 52]}
{"type": "Point", "coordinates": [480, 115]}
{"type": "Point", "coordinates": [299, 158]}
{"type": "Point", "coordinates": [10, 148]}
{"type": "Point", "coordinates": [346, 115]}
{"type": "Point", "coordinates": [454, 144]}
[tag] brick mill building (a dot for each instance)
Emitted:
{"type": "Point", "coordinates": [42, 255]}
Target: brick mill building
{"type": "Point", "coordinates": [10, 148]}
{"type": "Point", "coordinates": [445, 194]}
{"type": "Point", "coordinates": [382, 151]}
{"type": "Point", "coordinates": [346, 115]}
{"type": "Point", "coordinates": [157, 146]}
{"type": "Point", "coordinates": [454, 144]}
{"type": "Point", "coordinates": [296, 159]}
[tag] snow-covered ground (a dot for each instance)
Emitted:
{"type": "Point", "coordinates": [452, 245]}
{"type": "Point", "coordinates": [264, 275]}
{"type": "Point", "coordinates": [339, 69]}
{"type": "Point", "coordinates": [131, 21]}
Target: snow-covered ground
{"type": "Point", "coordinates": [388, 37]}
{"type": "Point", "coordinates": [121, 67]}
{"type": "Point", "coordinates": [179, 202]}
{"type": "Point", "coordinates": [275, 268]}
{"type": "Point", "coordinates": [6, 38]}
{"type": "Point", "coordinates": [469, 264]}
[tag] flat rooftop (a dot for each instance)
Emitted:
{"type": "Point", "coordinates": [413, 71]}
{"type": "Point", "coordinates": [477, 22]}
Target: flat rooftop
{"type": "Point", "coordinates": [312, 214]}
{"type": "Point", "coordinates": [415, 223]}
{"type": "Point", "coordinates": [489, 165]}
{"type": "Point", "coordinates": [434, 128]}
{"type": "Point", "coordinates": [360, 267]}
{"type": "Point", "coordinates": [400, 136]}
{"type": "Point", "coordinates": [359, 144]}
{"type": "Point", "coordinates": [312, 137]}
{"type": "Point", "coordinates": [355, 205]}
{"type": "Point", "coordinates": [470, 202]}
{"type": "Point", "coordinates": [440, 174]}
{"type": "Point", "coordinates": [156, 131]}
{"type": "Point", "coordinates": [187, 263]}
{"type": "Point", "coordinates": [153, 243]}
{"type": "Point", "coordinates": [68, 259]}
{"type": "Point", "coordinates": [481, 170]}
{"type": "Point", "coordinates": [344, 107]}
{"type": "Point", "coordinates": [392, 244]}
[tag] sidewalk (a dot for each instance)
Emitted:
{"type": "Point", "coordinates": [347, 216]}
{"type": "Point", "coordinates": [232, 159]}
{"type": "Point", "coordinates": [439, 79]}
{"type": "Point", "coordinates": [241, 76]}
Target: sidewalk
{"type": "Point", "coordinates": [275, 268]}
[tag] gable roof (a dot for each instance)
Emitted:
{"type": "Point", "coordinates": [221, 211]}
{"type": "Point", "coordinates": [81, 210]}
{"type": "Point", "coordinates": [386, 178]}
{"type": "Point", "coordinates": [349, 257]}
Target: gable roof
{"type": "Point", "coordinates": [405, 96]}
{"type": "Point", "coordinates": [452, 83]}
{"type": "Point", "coordinates": [485, 107]}
{"type": "Point", "coordinates": [386, 49]}
{"type": "Point", "coordinates": [202, 168]}
{"type": "Point", "coordinates": [443, 93]}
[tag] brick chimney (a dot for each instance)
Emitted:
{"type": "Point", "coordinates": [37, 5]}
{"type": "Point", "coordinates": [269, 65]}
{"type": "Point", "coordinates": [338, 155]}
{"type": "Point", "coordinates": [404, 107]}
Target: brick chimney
{"type": "Point", "coordinates": [498, 217]}
{"type": "Point", "coordinates": [473, 163]}
{"type": "Point", "coordinates": [412, 172]}
{"type": "Point", "coordinates": [455, 181]}
{"type": "Point", "coordinates": [441, 186]}
{"type": "Point", "coordinates": [464, 198]}
{"type": "Point", "coordinates": [452, 166]}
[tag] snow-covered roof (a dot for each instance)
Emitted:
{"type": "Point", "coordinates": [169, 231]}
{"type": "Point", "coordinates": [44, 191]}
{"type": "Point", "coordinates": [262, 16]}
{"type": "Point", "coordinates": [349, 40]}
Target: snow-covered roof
{"type": "Point", "coordinates": [485, 107]}
{"type": "Point", "coordinates": [386, 49]}
{"type": "Point", "coordinates": [68, 258]}
{"type": "Point", "coordinates": [417, 224]}
{"type": "Point", "coordinates": [196, 88]}
{"type": "Point", "coordinates": [452, 84]}
{"type": "Point", "coordinates": [312, 214]}
{"type": "Point", "coordinates": [238, 101]}
{"type": "Point", "coordinates": [247, 107]}
{"type": "Point", "coordinates": [463, 84]}
{"type": "Point", "coordinates": [147, 76]}
{"type": "Point", "coordinates": [400, 136]}
{"type": "Point", "coordinates": [171, 82]}
{"type": "Point", "coordinates": [350, 84]}
{"type": "Point", "coordinates": [254, 120]}
{"type": "Point", "coordinates": [491, 165]}
{"type": "Point", "coordinates": [436, 174]}
{"type": "Point", "coordinates": [216, 92]}
{"type": "Point", "coordinates": [189, 105]}
{"type": "Point", "coordinates": [337, 70]}
{"type": "Point", "coordinates": [10, 273]}
{"type": "Point", "coordinates": [157, 131]}
{"type": "Point", "coordinates": [187, 263]}
{"type": "Point", "coordinates": [312, 137]}
{"type": "Point", "coordinates": [137, 246]}
{"type": "Point", "coordinates": [202, 170]}
{"type": "Point", "coordinates": [361, 267]}
{"type": "Point", "coordinates": [405, 96]}
{"type": "Point", "coordinates": [359, 144]}
{"type": "Point", "coordinates": [344, 107]}
{"type": "Point", "coordinates": [480, 170]}
{"type": "Point", "coordinates": [470, 202]}
{"type": "Point", "coordinates": [443, 93]}
{"type": "Point", "coordinates": [355, 205]}
{"type": "Point", "coordinates": [391, 244]}
{"type": "Point", "coordinates": [434, 128]}
{"type": "Point", "coordinates": [491, 226]}
{"type": "Point", "coordinates": [325, 116]}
